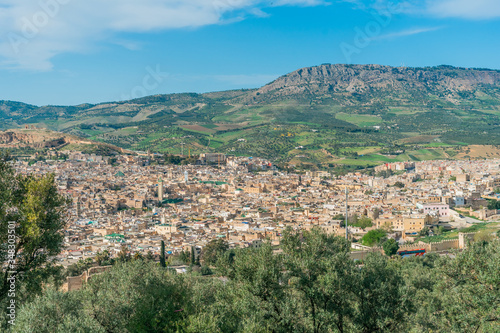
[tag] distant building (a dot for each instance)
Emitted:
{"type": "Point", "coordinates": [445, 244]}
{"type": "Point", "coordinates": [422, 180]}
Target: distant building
{"type": "Point", "coordinates": [212, 158]}
{"type": "Point", "coordinates": [462, 178]}
{"type": "Point", "coordinates": [459, 201]}
{"type": "Point", "coordinates": [435, 208]}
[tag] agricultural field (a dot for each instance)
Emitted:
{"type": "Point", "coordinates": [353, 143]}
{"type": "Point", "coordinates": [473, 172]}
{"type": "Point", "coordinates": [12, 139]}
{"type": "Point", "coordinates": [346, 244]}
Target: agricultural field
{"type": "Point", "coordinates": [311, 118]}
{"type": "Point", "coordinates": [359, 120]}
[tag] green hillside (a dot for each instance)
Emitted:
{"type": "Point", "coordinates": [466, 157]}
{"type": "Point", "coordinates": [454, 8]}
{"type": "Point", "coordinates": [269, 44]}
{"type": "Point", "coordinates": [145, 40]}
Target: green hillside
{"type": "Point", "coordinates": [333, 111]}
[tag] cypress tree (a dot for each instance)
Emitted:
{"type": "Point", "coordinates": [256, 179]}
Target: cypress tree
{"type": "Point", "coordinates": [192, 255]}
{"type": "Point", "coordinates": [162, 255]}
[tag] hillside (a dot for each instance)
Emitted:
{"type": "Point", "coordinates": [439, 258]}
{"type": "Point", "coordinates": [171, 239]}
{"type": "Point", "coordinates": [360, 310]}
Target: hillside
{"type": "Point", "coordinates": [21, 141]}
{"type": "Point", "coordinates": [328, 115]}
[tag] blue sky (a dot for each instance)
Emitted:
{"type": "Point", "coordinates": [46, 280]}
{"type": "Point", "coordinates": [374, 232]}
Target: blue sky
{"type": "Point", "coordinates": [67, 52]}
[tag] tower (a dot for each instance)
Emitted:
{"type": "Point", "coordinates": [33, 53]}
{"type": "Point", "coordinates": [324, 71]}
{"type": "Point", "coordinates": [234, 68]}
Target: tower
{"type": "Point", "coordinates": [160, 189]}
{"type": "Point", "coordinates": [186, 176]}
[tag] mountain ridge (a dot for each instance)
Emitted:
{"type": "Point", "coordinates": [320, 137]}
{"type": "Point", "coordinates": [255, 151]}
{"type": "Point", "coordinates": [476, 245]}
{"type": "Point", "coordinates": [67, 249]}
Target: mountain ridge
{"type": "Point", "coordinates": [348, 106]}
{"type": "Point", "coordinates": [350, 70]}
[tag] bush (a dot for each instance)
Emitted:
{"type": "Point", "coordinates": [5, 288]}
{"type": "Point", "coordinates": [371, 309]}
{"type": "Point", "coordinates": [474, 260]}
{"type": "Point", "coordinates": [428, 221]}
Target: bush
{"type": "Point", "coordinates": [390, 247]}
{"type": "Point", "coordinates": [373, 237]}
{"type": "Point", "coordinates": [205, 270]}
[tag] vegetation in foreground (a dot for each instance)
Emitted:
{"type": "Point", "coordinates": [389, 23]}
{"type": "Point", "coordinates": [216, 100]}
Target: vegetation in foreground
{"type": "Point", "coordinates": [312, 286]}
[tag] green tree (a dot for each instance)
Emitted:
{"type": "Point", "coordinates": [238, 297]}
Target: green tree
{"type": "Point", "coordinates": [184, 257]}
{"type": "Point", "coordinates": [205, 270]}
{"type": "Point", "coordinates": [192, 259]}
{"type": "Point", "coordinates": [483, 236]}
{"type": "Point", "coordinates": [162, 255]}
{"type": "Point", "coordinates": [382, 297]}
{"type": "Point", "coordinates": [399, 184]}
{"type": "Point", "coordinates": [373, 237]}
{"type": "Point", "coordinates": [439, 230]}
{"type": "Point", "coordinates": [150, 256]}
{"type": "Point", "coordinates": [321, 271]}
{"type": "Point", "coordinates": [339, 217]}
{"type": "Point", "coordinates": [123, 255]}
{"type": "Point", "coordinates": [32, 216]}
{"type": "Point", "coordinates": [390, 247]}
{"type": "Point", "coordinates": [56, 311]}
{"type": "Point", "coordinates": [260, 275]}
{"type": "Point", "coordinates": [468, 290]}
{"type": "Point", "coordinates": [137, 296]}
{"type": "Point", "coordinates": [424, 232]}
{"type": "Point", "coordinates": [79, 267]}
{"type": "Point", "coordinates": [103, 258]}
{"type": "Point", "coordinates": [493, 204]}
{"type": "Point", "coordinates": [363, 222]}
{"type": "Point", "coordinates": [213, 250]}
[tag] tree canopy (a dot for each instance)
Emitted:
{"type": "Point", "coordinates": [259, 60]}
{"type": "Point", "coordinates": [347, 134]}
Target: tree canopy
{"type": "Point", "coordinates": [32, 217]}
{"type": "Point", "coordinates": [373, 237]}
{"type": "Point", "coordinates": [390, 247]}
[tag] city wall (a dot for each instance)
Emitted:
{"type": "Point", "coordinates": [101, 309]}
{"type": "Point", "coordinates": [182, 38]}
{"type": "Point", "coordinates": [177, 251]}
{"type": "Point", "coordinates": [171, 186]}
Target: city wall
{"type": "Point", "coordinates": [77, 282]}
{"type": "Point", "coordinates": [450, 244]}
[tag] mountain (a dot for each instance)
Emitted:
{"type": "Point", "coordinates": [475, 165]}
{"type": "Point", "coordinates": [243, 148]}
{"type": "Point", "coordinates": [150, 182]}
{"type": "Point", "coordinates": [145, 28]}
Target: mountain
{"type": "Point", "coordinates": [370, 79]}
{"type": "Point", "coordinates": [355, 115]}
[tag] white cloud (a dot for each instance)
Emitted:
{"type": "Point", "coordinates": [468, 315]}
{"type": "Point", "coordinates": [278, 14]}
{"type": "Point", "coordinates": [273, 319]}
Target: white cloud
{"type": "Point", "coordinates": [33, 32]}
{"type": "Point", "coordinates": [469, 9]}
{"type": "Point", "coordinates": [407, 32]}
{"type": "Point", "coordinates": [465, 9]}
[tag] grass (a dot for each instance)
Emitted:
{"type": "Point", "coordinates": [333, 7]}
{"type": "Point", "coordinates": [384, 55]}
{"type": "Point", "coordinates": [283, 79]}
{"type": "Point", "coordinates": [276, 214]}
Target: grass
{"type": "Point", "coordinates": [196, 131]}
{"type": "Point", "coordinates": [438, 144]}
{"type": "Point", "coordinates": [356, 162]}
{"type": "Point", "coordinates": [453, 234]}
{"type": "Point", "coordinates": [361, 120]}
{"type": "Point", "coordinates": [437, 238]}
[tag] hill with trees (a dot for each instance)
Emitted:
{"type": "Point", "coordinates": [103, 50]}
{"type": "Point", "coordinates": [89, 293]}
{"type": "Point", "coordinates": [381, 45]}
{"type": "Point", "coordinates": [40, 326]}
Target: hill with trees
{"type": "Point", "coordinates": [316, 117]}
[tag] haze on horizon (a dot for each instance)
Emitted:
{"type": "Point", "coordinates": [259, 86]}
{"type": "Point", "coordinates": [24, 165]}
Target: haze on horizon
{"type": "Point", "coordinates": [65, 52]}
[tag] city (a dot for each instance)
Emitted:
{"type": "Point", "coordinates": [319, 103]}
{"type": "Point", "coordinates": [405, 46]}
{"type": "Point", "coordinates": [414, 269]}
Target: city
{"type": "Point", "coordinates": [246, 201]}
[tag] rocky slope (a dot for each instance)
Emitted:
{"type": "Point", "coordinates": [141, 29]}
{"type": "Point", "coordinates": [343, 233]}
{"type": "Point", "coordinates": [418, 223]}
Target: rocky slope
{"type": "Point", "coordinates": [368, 79]}
{"type": "Point", "coordinates": [40, 138]}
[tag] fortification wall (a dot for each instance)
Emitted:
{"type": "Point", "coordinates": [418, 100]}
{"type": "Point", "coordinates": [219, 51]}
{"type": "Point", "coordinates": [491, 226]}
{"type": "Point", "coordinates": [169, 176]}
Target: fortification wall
{"type": "Point", "coordinates": [77, 282]}
{"type": "Point", "coordinates": [444, 245]}
{"type": "Point", "coordinates": [464, 239]}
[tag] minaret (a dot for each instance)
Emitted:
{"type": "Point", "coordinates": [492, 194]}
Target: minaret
{"type": "Point", "coordinates": [160, 189]}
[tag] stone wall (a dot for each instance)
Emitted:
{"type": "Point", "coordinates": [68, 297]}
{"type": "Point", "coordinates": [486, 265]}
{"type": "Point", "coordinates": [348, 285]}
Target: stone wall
{"type": "Point", "coordinates": [77, 282]}
{"type": "Point", "coordinates": [449, 244]}
{"type": "Point", "coordinates": [443, 245]}
{"type": "Point", "coordinates": [465, 238]}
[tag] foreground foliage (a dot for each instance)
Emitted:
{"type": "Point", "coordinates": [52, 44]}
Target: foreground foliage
{"type": "Point", "coordinates": [312, 285]}
{"type": "Point", "coordinates": [31, 220]}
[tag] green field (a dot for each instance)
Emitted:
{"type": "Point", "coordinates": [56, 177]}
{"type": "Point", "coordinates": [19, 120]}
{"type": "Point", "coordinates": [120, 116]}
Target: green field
{"type": "Point", "coordinates": [359, 120]}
